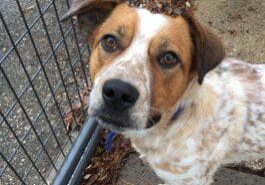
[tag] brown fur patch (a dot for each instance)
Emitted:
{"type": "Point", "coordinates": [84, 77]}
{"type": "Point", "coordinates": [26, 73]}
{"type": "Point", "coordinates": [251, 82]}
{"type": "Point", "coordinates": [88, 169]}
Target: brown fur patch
{"type": "Point", "coordinates": [169, 84]}
{"type": "Point", "coordinates": [121, 23]}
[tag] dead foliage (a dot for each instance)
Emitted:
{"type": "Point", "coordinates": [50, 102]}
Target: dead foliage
{"type": "Point", "coordinates": [104, 165]}
{"type": "Point", "coordinates": [168, 7]}
{"type": "Point", "coordinates": [75, 115]}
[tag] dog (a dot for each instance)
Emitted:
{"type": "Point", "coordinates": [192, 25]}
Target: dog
{"type": "Point", "coordinates": [164, 83]}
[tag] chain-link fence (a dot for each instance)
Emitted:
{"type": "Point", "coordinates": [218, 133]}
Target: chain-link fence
{"type": "Point", "coordinates": [43, 82]}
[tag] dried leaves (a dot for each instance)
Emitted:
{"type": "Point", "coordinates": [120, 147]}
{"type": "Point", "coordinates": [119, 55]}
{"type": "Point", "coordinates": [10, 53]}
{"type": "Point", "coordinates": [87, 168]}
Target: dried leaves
{"type": "Point", "coordinates": [168, 7]}
{"type": "Point", "coordinates": [104, 165]}
{"type": "Point", "coordinates": [76, 114]}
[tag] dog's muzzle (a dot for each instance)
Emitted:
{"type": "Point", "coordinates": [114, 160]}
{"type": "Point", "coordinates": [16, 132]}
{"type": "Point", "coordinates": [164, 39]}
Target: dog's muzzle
{"type": "Point", "coordinates": [118, 99]}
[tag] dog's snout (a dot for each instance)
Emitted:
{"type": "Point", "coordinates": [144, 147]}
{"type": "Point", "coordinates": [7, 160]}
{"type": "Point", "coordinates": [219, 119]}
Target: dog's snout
{"type": "Point", "coordinates": [118, 94]}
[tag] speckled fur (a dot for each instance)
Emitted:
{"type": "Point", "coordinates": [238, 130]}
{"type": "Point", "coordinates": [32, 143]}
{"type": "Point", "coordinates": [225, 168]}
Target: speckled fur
{"type": "Point", "coordinates": [223, 122]}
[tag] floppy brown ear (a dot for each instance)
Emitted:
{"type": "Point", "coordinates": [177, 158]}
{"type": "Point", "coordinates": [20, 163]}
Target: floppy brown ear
{"type": "Point", "coordinates": [90, 13]}
{"type": "Point", "coordinates": [208, 49]}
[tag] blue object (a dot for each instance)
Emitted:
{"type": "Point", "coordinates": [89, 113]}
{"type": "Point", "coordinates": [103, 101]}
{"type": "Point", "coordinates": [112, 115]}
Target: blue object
{"type": "Point", "coordinates": [109, 140]}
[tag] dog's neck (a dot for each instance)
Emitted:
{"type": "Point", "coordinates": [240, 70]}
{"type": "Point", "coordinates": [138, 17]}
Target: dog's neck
{"type": "Point", "coordinates": [185, 104]}
{"type": "Point", "coordinates": [186, 100]}
{"type": "Point", "coordinates": [188, 112]}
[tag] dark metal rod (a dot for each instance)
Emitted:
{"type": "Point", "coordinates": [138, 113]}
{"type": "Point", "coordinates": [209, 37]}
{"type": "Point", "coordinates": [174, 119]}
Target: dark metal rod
{"type": "Point", "coordinates": [24, 137]}
{"type": "Point", "coordinates": [76, 177]}
{"type": "Point", "coordinates": [33, 122]}
{"type": "Point", "coordinates": [76, 152]}
{"type": "Point", "coordinates": [41, 151]}
{"type": "Point", "coordinates": [56, 158]}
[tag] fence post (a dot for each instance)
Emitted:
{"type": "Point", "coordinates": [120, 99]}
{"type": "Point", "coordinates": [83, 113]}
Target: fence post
{"type": "Point", "coordinates": [84, 142]}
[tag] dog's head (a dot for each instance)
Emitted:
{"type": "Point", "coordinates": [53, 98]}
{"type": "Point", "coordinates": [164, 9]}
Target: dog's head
{"type": "Point", "coordinates": [141, 63]}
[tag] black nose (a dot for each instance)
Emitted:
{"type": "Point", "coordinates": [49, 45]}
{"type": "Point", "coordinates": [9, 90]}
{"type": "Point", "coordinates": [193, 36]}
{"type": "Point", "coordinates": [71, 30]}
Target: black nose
{"type": "Point", "coordinates": [118, 94]}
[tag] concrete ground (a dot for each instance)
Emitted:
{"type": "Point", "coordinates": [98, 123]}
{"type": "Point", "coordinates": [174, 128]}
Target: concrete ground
{"type": "Point", "coordinates": [241, 26]}
{"type": "Point", "coordinates": [136, 172]}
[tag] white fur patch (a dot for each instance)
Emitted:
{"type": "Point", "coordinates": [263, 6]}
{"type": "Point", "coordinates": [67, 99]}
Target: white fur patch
{"type": "Point", "coordinates": [148, 26]}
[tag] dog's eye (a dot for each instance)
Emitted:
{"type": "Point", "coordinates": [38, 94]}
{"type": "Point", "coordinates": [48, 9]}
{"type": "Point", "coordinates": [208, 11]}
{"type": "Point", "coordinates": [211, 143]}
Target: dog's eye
{"type": "Point", "coordinates": [109, 43]}
{"type": "Point", "coordinates": [169, 59]}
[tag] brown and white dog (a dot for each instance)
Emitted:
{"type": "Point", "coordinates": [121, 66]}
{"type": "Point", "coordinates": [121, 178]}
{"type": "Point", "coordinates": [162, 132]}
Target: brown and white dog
{"type": "Point", "coordinates": [164, 83]}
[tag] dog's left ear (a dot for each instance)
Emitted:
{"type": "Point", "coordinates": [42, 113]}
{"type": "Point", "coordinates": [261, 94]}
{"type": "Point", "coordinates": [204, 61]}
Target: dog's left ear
{"type": "Point", "coordinates": [208, 49]}
{"type": "Point", "coordinates": [91, 14]}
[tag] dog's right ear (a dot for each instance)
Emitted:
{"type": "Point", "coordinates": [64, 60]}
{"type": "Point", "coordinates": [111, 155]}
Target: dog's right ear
{"type": "Point", "coordinates": [90, 13]}
{"type": "Point", "coordinates": [208, 49]}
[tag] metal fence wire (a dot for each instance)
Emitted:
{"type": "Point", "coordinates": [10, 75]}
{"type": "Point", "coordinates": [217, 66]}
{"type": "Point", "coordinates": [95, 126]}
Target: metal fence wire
{"type": "Point", "coordinates": [43, 78]}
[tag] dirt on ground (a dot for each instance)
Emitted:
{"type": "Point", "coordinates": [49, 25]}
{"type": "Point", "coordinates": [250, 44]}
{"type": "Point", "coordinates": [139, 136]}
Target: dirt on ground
{"type": "Point", "coordinates": [240, 24]}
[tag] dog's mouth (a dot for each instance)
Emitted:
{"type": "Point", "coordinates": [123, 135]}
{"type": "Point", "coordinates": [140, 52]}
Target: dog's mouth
{"type": "Point", "coordinates": [118, 121]}
{"type": "Point", "coordinates": [122, 122]}
{"type": "Point", "coordinates": [153, 120]}
{"type": "Point", "coordinates": [110, 120]}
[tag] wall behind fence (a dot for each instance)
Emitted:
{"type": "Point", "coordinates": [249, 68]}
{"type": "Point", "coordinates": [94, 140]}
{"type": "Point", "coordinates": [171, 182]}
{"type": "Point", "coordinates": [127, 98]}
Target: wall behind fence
{"type": "Point", "coordinates": [43, 80]}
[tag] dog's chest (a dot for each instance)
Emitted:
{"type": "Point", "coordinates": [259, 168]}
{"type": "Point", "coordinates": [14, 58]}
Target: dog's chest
{"type": "Point", "coordinates": [162, 157]}
{"type": "Point", "coordinates": [173, 161]}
